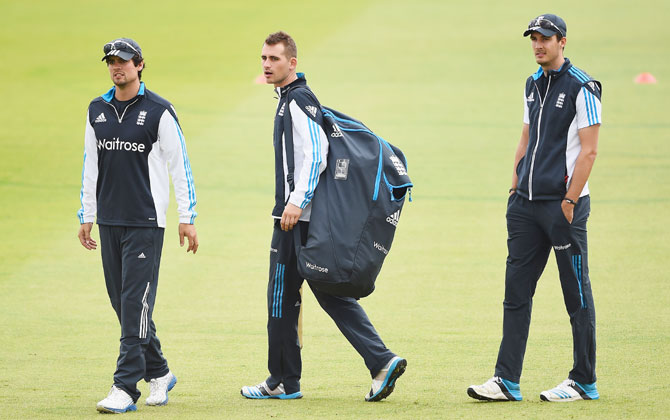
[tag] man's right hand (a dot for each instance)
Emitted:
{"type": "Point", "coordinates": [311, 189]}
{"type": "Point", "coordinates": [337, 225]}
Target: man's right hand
{"type": "Point", "coordinates": [85, 236]}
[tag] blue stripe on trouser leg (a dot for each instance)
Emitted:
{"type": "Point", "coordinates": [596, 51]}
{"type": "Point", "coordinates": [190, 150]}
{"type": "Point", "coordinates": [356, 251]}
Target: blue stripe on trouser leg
{"type": "Point", "coordinates": [282, 268]}
{"type": "Point", "coordinates": [577, 265]}
{"type": "Point", "coordinates": [276, 291]}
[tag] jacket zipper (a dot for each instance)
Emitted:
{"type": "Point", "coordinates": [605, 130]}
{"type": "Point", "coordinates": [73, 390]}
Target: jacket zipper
{"type": "Point", "coordinates": [124, 111]}
{"type": "Point", "coordinates": [537, 142]}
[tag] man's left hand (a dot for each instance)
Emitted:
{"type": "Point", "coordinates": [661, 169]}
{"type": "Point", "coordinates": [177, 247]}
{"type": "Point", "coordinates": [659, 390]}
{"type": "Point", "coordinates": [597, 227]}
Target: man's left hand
{"type": "Point", "coordinates": [290, 216]}
{"type": "Point", "coordinates": [568, 210]}
{"type": "Point", "coordinates": [188, 230]}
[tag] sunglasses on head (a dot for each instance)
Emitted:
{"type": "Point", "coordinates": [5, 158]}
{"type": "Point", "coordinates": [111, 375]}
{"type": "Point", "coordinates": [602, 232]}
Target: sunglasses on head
{"type": "Point", "coordinates": [544, 24]}
{"type": "Point", "coordinates": [119, 45]}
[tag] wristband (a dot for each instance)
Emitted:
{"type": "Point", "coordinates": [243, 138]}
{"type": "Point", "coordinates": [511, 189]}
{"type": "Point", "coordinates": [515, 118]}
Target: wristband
{"type": "Point", "coordinates": [570, 201]}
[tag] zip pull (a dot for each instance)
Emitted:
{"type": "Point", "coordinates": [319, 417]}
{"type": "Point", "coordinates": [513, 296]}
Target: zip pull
{"type": "Point", "coordinates": [410, 194]}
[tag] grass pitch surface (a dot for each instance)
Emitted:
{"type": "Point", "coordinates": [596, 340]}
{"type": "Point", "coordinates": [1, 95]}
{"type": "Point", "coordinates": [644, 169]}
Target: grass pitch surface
{"type": "Point", "coordinates": [441, 80]}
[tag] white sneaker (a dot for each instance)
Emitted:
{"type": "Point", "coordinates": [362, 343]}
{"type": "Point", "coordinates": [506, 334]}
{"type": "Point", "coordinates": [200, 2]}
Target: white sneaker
{"type": "Point", "coordinates": [569, 390]}
{"type": "Point", "coordinates": [496, 389]}
{"type": "Point", "coordinates": [262, 391]}
{"type": "Point", "coordinates": [159, 387]}
{"type": "Point", "coordinates": [384, 383]}
{"type": "Point", "coordinates": [117, 401]}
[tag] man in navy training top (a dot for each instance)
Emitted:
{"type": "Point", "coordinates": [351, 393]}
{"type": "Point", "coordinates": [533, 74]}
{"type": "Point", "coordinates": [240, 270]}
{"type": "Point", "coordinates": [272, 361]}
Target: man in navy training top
{"type": "Point", "coordinates": [292, 210]}
{"type": "Point", "coordinates": [133, 141]}
{"type": "Point", "coordinates": [548, 208]}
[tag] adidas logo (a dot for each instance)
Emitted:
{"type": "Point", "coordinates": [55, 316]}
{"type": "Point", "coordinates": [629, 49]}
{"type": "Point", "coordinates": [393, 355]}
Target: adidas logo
{"type": "Point", "coordinates": [559, 101]}
{"type": "Point", "coordinates": [311, 109]}
{"type": "Point", "coordinates": [336, 131]}
{"type": "Point", "coordinates": [281, 111]}
{"type": "Point", "coordinates": [141, 117]}
{"type": "Point", "coordinates": [297, 304]}
{"type": "Point", "coordinates": [394, 218]}
{"type": "Point", "coordinates": [101, 118]}
{"type": "Point", "coordinates": [141, 256]}
{"type": "Point", "coordinates": [530, 97]}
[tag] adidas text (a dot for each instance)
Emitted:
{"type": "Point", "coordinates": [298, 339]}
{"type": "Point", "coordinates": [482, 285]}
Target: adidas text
{"type": "Point", "coordinates": [394, 218]}
{"type": "Point", "coordinates": [336, 131]}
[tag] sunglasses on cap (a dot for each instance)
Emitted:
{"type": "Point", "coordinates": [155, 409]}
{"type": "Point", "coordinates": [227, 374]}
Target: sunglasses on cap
{"type": "Point", "coordinates": [119, 45]}
{"type": "Point", "coordinates": [538, 23]}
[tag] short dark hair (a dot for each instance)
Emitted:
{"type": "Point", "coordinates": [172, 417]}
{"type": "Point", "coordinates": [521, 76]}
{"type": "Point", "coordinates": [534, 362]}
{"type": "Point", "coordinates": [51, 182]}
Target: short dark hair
{"type": "Point", "coordinates": [290, 49]}
{"type": "Point", "coordinates": [137, 60]}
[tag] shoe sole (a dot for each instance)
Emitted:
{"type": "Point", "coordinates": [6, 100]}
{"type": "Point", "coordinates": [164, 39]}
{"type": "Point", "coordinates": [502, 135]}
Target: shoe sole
{"type": "Point", "coordinates": [395, 371]}
{"type": "Point", "coordinates": [473, 394]}
{"type": "Point", "coordinates": [543, 398]}
{"type": "Point", "coordinates": [171, 385]}
{"type": "Point", "coordinates": [108, 410]}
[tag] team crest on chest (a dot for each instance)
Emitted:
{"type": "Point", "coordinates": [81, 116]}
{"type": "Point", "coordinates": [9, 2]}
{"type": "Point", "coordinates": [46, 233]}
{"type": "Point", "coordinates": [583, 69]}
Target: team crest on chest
{"type": "Point", "coordinates": [559, 101]}
{"type": "Point", "coordinates": [141, 117]}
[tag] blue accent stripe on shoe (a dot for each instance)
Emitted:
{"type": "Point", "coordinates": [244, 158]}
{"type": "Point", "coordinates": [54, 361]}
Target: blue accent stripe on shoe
{"type": "Point", "coordinates": [512, 391]}
{"type": "Point", "coordinates": [172, 383]}
{"type": "Point", "coordinates": [589, 390]}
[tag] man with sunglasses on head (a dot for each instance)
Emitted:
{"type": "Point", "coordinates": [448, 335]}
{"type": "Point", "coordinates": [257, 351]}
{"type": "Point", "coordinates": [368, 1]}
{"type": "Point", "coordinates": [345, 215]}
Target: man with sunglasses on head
{"type": "Point", "coordinates": [548, 207]}
{"type": "Point", "coordinates": [133, 144]}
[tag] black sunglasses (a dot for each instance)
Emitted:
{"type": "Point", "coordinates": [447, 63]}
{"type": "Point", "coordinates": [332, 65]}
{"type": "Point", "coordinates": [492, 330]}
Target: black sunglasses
{"type": "Point", "coordinates": [119, 45]}
{"type": "Point", "coordinates": [544, 24]}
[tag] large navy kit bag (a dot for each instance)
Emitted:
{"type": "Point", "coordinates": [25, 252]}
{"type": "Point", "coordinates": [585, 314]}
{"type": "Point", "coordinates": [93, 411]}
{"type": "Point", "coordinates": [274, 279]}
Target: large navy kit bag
{"type": "Point", "coordinates": [356, 208]}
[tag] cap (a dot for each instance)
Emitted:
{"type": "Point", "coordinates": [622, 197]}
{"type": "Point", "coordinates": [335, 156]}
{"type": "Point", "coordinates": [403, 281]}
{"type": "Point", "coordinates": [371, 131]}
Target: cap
{"type": "Point", "coordinates": [125, 48]}
{"type": "Point", "coordinates": [547, 25]}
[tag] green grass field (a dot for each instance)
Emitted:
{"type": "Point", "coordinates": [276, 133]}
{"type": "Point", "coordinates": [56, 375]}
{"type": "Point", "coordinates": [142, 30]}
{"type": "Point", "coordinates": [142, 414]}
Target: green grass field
{"type": "Point", "coordinates": [440, 79]}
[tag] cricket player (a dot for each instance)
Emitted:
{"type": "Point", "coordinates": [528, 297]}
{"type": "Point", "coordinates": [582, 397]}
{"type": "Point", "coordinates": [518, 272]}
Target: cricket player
{"type": "Point", "coordinates": [548, 208]}
{"type": "Point", "coordinates": [293, 194]}
{"type": "Point", "coordinates": [132, 141]}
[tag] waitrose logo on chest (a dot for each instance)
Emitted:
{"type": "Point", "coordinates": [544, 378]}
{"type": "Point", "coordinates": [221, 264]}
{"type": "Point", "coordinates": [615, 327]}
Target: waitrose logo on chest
{"type": "Point", "coordinates": [117, 144]}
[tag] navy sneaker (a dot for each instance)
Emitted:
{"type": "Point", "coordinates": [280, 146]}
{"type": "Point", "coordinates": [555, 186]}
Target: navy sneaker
{"type": "Point", "coordinates": [496, 389]}
{"type": "Point", "coordinates": [384, 383]}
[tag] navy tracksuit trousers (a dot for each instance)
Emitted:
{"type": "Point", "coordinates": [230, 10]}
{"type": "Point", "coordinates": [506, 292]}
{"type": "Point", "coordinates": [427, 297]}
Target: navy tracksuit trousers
{"type": "Point", "coordinates": [534, 228]}
{"type": "Point", "coordinates": [130, 259]}
{"type": "Point", "coordinates": [284, 361]}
